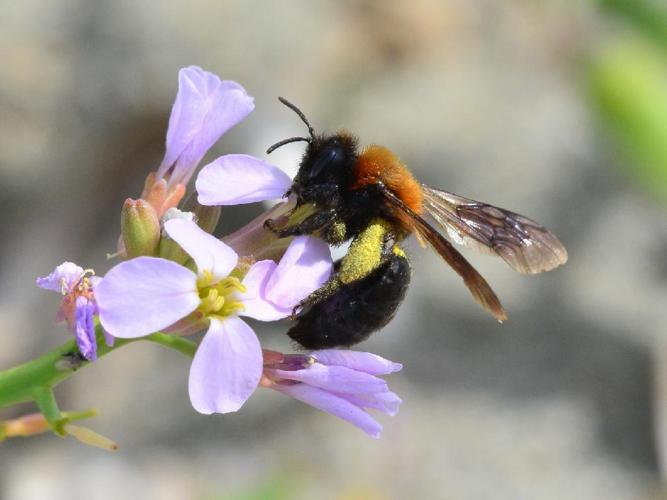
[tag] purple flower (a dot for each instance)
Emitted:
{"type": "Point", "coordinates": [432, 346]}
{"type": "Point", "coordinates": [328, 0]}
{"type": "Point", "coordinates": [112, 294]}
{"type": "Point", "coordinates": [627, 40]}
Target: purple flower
{"type": "Point", "coordinates": [78, 307]}
{"type": "Point", "coordinates": [343, 383]}
{"type": "Point", "coordinates": [238, 179]}
{"type": "Point", "coordinates": [205, 108]}
{"type": "Point", "coordinates": [147, 294]}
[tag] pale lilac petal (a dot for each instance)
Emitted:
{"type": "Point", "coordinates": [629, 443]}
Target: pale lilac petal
{"type": "Point", "coordinates": [330, 403]}
{"type": "Point", "coordinates": [304, 268]}
{"type": "Point", "coordinates": [226, 368]}
{"type": "Point", "coordinates": [143, 295]}
{"type": "Point", "coordinates": [68, 272]}
{"type": "Point", "coordinates": [237, 179]}
{"type": "Point", "coordinates": [334, 378]}
{"type": "Point", "coordinates": [387, 402]}
{"type": "Point", "coordinates": [208, 252]}
{"type": "Point", "coordinates": [109, 339]}
{"type": "Point", "coordinates": [204, 109]}
{"type": "Point", "coordinates": [362, 361]}
{"type": "Point", "coordinates": [254, 301]}
{"type": "Point", "coordinates": [84, 328]}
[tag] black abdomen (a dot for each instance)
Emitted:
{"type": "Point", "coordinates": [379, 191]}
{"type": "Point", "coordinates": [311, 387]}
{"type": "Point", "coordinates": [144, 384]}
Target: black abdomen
{"type": "Point", "coordinates": [355, 310]}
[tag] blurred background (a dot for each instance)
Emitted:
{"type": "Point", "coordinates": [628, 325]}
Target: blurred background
{"type": "Point", "coordinates": [555, 109]}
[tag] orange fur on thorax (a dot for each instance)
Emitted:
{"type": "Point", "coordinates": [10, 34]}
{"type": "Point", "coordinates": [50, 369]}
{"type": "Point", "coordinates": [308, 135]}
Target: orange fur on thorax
{"type": "Point", "coordinates": [377, 163]}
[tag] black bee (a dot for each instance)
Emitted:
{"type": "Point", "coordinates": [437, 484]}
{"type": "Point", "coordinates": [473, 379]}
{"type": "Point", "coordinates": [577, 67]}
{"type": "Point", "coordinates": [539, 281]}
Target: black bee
{"type": "Point", "coordinates": [371, 198]}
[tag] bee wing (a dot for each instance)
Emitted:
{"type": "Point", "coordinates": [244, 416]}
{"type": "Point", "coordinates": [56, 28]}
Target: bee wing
{"type": "Point", "coordinates": [479, 288]}
{"type": "Point", "coordinates": [525, 245]}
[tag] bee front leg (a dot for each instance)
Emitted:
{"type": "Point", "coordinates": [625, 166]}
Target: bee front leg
{"type": "Point", "coordinates": [309, 225]}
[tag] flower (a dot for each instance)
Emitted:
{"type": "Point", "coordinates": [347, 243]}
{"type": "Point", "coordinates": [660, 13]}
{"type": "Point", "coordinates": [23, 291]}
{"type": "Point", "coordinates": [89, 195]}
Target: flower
{"type": "Point", "coordinates": [237, 179]}
{"type": "Point", "coordinates": [146, 294]}
{"type": "Point", "coordinates": [78, 307]}
{"type": "Point", "coordinates": [205, 108]}
{"type": "Point", "coordinates": [341, 382]}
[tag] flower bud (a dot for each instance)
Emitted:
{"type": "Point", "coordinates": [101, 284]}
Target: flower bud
{"type": "Point", "coordinates": [140, 228]}
{"type": "Point", "coordinates": [27, 425]}
{"type": "Point", "coordinates": [160, 195]}
{"type": "Point", "coordinates": [206, 217]}
{"type": "Point", "coordinates": [90, 437]}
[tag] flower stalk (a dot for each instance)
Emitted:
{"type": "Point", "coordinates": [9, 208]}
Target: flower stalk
{"type": "Point", "coordinates": [36, 379]}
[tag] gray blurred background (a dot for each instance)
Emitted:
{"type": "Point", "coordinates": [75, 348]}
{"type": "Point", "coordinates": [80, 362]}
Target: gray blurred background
{"type": "Point", "coordinates": [550, 108]}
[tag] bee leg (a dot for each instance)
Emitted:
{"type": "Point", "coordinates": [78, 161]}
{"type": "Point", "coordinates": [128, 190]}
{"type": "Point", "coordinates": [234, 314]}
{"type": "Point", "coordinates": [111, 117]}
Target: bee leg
{"type": "Point", "coordinates": [309, 225]}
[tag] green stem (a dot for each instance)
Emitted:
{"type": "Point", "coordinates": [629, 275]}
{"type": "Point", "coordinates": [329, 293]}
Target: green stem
{"type": "Point", "coordinates": [175, 342]}
{"type": "Point", "coordinates": [47, 404]}
{"type": "Point", "coordinates": [36, 379]}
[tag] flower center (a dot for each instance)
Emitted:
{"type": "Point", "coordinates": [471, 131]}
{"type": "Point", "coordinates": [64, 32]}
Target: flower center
{"type": "Point", "coordinates": [82, 287]}
{"type": "Point", "coordinates": [218, 299]}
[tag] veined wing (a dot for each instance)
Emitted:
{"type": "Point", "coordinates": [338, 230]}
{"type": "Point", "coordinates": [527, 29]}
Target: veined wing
{"type": "Point", "coordinates": [524, 244]}
{"type": "Point", "coordinates": [479, 288]}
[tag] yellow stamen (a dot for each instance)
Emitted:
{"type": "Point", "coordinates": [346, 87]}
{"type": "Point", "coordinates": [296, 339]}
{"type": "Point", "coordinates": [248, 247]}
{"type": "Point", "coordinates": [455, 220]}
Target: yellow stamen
{"type": "Point", "coordinates": [217, 299]}
{"type": "Point", "coordinates": [204, 280]}
{"type": "Point", "coordinates": [81, 285]}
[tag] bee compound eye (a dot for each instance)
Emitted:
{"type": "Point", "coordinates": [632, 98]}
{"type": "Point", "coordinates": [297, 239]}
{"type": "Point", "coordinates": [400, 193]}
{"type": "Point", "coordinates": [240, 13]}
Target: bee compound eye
{"type": "Point", "coordinates": [327, 159]}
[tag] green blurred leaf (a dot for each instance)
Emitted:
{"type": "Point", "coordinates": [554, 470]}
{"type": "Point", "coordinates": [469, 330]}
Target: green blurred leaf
{"type": "Point", "coordinates": [628, 83]}
{"type": "Point", "coordinates": [649, 16]}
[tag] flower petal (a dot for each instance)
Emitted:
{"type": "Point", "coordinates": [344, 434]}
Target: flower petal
{"type": "Point", "coordinates": [254, 300]}
{"type": "Point", "coordinates": [204, 109]}
{"type": "Point", "coordinates": [237, 179]}
{"type": "Point", "coordinates": [226, 368]}
{"type": "Point", "coordinates": [362, 361]}
{"type": "Point", "coordinates": [140, 296]}
{"type": "Point", "coordinates": [330, 403]}
{"type": "Point", "coordinates": [386, 402]}
{"type": "Point", "coordinates": [334, 378]}
{"type": "Point", "coordinates": [68, 272]}
{"type": "Point", "coordinates": [109, 339]}
{"type": "Point", "coordinates": [208, 252]}
{"type": "Point", "coordinates": [304, 268]}
{"type": "Point", "coordinates": [84, 328]}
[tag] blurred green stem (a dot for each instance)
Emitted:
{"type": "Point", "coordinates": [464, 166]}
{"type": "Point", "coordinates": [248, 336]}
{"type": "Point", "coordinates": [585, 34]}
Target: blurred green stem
{"type": "Point", "coordinates": [35, 380]}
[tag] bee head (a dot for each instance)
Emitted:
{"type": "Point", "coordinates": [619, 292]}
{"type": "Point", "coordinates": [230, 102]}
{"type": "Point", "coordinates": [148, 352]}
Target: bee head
{"type": "Point", "coordinates": [327, 163]}
{"type": "Point", "coordinates": [328, 159]}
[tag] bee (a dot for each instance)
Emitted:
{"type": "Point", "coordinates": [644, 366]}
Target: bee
{"type": "Point", "coordinates": [370, 197]}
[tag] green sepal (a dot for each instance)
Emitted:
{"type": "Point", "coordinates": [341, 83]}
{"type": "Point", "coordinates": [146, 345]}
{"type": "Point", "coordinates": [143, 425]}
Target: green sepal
{"type": "Point", "coordinates": [140, 228]}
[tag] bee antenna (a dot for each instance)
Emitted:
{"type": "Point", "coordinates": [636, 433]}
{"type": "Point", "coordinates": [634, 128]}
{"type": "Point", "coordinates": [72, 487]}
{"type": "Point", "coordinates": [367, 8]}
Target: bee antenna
{"type": "Point", "coordinates": [291, 106]}
{"type": "Point", "coordinates": [286, 141]}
